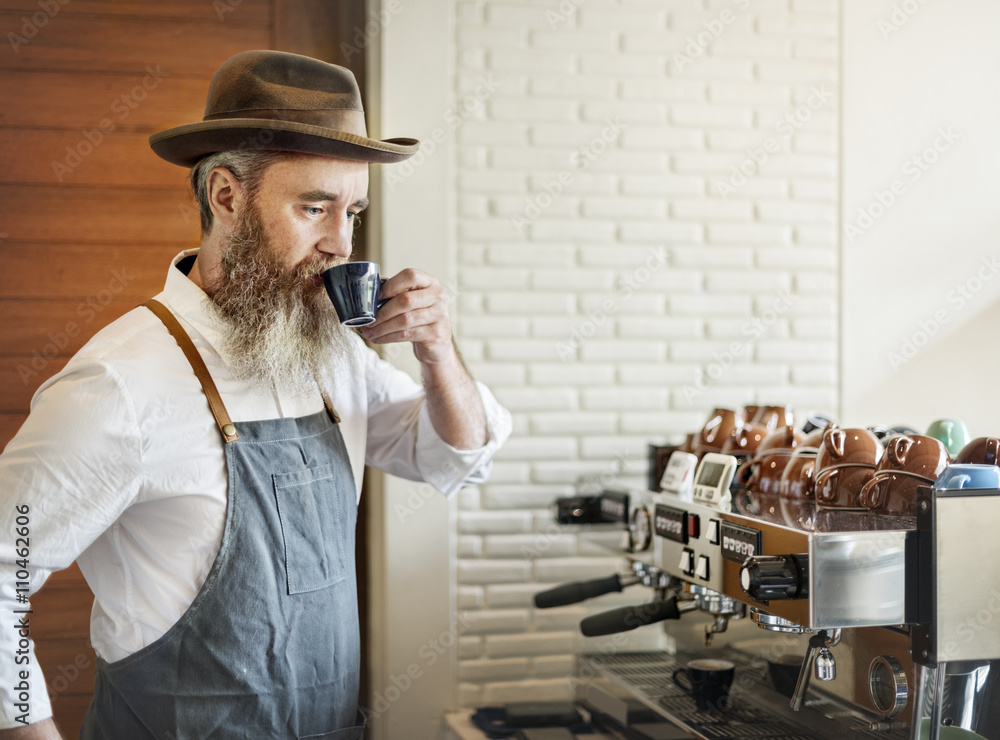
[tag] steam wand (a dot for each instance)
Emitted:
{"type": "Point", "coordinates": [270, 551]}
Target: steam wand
{"type": "Point", "coordinates": [820, 655]}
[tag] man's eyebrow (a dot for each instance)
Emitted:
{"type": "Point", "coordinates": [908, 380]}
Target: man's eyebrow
{"type": "Point", "coordinates": [316, 196]}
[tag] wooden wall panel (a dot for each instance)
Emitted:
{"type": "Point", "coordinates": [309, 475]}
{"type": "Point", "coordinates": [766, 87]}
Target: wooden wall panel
{"type": "Point", "coordinates": [39, 270]}
{"type": "Point", "coordinates": [252, 12]}
{"type": "Point", "coordinates": [77, 215]}
{"type": "Point", "coordinates": [45, 100]}
{"type": "Point", "coordinates": [90, 157]}
{"type": "Point", "coordinates": [173, 49]}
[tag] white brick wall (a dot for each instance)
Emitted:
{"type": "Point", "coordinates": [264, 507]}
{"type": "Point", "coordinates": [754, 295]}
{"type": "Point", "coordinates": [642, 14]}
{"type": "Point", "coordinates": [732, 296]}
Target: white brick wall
{"type": "Point", "coordinates": [635, 195]}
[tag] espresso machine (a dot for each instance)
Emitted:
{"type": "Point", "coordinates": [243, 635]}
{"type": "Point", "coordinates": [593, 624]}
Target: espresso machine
{"type": "Point", "coordinates": [893, 622]}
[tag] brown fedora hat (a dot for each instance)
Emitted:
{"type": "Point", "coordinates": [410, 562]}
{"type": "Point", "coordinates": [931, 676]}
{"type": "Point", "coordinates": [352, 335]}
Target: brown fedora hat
{"type": "Point", "coordinates": [274, 100]}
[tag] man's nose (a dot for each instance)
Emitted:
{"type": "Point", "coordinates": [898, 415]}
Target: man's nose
{"type": "Point", "coordinates": [339, 240]}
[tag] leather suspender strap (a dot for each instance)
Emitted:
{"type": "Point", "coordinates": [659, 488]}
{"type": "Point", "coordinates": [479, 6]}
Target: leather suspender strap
{"type": "Point", "coordinates": [226, 426]}
{"type": "Point", "coordinates": [329, 405]}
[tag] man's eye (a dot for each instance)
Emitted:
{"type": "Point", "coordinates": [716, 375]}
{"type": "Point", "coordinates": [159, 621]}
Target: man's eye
{"type": "Point", "coordinates": [355, 218]}
{"type": "Point", "coordinates": [314, 210]}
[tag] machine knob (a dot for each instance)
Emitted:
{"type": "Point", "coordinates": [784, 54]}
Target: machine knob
{"type": "Point", "coordinates": [775, 577]}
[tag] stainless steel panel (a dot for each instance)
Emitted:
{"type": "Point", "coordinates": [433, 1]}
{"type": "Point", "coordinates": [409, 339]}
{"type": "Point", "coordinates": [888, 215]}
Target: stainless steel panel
{"type": "Point", "coordinates": [967, 577]}
{"type": "Point", "coordinates": [857, 579]}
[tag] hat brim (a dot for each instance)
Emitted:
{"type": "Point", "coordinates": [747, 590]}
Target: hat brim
{"type": "Point", "coordinates": [185, 145]}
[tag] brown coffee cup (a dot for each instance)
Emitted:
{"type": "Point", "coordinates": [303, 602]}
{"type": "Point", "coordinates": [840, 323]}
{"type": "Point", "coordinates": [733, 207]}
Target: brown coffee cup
{"type": "Point", "coordinates": [798, 477]}
{"type": "Point", "coordinates": [980, 451]}
{"type": "Point", "coordinates": [909, 461]}
{"type": "Point", "coordinates": [773, 417]}
{"type": "Point", "coordinates": [845, 462]}
{"type": "Point", "coordinates": [720, 424]}
{"type": "Point", "coordinates": [762, 473]}
{"type": "Point", "coordinates": [744, 441]}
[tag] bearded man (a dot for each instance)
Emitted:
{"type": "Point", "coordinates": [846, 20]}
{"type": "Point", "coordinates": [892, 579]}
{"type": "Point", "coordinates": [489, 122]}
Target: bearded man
{"type": "Point", "coordinates": [201, 457]}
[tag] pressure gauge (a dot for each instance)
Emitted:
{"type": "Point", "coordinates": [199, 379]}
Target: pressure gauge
{"type": "Point", "coordinates": [887, 684]}
{"type": "Point", "coordinates": [640, 529]}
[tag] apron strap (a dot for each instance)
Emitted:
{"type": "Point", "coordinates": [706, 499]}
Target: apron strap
{"type": "Point", "coordinates": [225, 424]}
{"type": "Point", "coordinates": [329, 404]}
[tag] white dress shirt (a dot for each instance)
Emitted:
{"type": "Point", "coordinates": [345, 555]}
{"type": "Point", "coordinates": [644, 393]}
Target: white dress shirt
{"type": "Point", "coordinates": [122, 467]}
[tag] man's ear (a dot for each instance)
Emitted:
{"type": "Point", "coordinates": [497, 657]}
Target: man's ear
{"type": "Point", "coordinates": [225, 196]}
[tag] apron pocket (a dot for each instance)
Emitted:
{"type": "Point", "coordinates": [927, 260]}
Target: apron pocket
{"type": "Point", "coordinates": [311, 514]}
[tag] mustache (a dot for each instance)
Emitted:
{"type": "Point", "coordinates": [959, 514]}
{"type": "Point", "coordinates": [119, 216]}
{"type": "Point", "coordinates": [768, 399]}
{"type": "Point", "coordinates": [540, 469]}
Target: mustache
{"type": "Point", "coordinates": [305, 271]}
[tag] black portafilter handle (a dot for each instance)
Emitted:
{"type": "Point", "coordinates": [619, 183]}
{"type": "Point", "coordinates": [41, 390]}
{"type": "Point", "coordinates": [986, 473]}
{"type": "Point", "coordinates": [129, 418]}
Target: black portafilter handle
{"type": "Point", "coordinates": [573, 593]}
{"type": "Point", "coordinates": [629, 617]}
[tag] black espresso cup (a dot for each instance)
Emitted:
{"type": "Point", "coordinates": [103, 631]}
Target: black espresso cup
{"type": "Point", "coordinates": [708, 682]}
{"type": "Point", "coordinates": [354, 288]}
{"type": "Point", "coordinates": [784, 672]}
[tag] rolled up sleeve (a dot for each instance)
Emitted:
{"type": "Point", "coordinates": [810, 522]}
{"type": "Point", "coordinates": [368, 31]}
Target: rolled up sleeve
{"type": "Point", "coordinates": [402, 440]}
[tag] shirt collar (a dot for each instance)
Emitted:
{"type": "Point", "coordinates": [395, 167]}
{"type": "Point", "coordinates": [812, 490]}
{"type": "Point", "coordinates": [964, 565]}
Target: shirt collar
{"type": "Point", "coordinates": [189, 302]}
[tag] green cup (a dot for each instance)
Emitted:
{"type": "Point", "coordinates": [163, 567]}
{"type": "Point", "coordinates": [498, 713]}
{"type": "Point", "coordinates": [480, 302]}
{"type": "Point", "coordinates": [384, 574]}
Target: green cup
{"type": "Point", "coordinates": [952, 433]}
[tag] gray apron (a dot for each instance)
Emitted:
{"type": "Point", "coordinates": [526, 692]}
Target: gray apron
{"type": "Point", "coordinates": [269, 648]}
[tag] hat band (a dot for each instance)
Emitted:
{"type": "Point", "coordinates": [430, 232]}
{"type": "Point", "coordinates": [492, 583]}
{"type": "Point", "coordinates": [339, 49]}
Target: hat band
{"type": "Point", "coordinates": [340, 119]}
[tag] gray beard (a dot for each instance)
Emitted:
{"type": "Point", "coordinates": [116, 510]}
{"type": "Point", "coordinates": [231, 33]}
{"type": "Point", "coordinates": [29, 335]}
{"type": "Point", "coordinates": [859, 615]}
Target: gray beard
{"type": "Point", "coordinates": [281, 329]}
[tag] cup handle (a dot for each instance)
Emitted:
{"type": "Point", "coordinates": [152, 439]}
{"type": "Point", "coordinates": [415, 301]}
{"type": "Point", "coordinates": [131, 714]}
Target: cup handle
{"type": "Point", "coordinates": [871, 490]}
{"type": "Point", "coordinates": [992, 452]}
{"type": "Point", "coordinates": [683, 672]}
{"type": "Point", "coordinates": [381, 301]}
{"type": "Point", "coordinates": [821, 484]}
{"type": "Point", "coordinates": [743, 473]}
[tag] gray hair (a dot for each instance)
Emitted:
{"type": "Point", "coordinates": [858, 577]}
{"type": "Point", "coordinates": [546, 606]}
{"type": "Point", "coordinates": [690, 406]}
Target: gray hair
{"type": "Point", "coordinates": [248, 167]}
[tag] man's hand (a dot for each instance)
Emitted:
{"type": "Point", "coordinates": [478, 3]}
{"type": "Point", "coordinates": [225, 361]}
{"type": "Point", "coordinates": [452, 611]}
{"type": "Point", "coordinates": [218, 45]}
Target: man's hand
{"type": "Point", "coordinates": [44, 730]}
{"type": "Point", "coordinates": [418, 313]}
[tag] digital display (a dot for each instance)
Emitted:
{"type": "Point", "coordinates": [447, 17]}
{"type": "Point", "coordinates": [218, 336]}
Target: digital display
{"type": "Point", "coordinates": [711, 474]}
